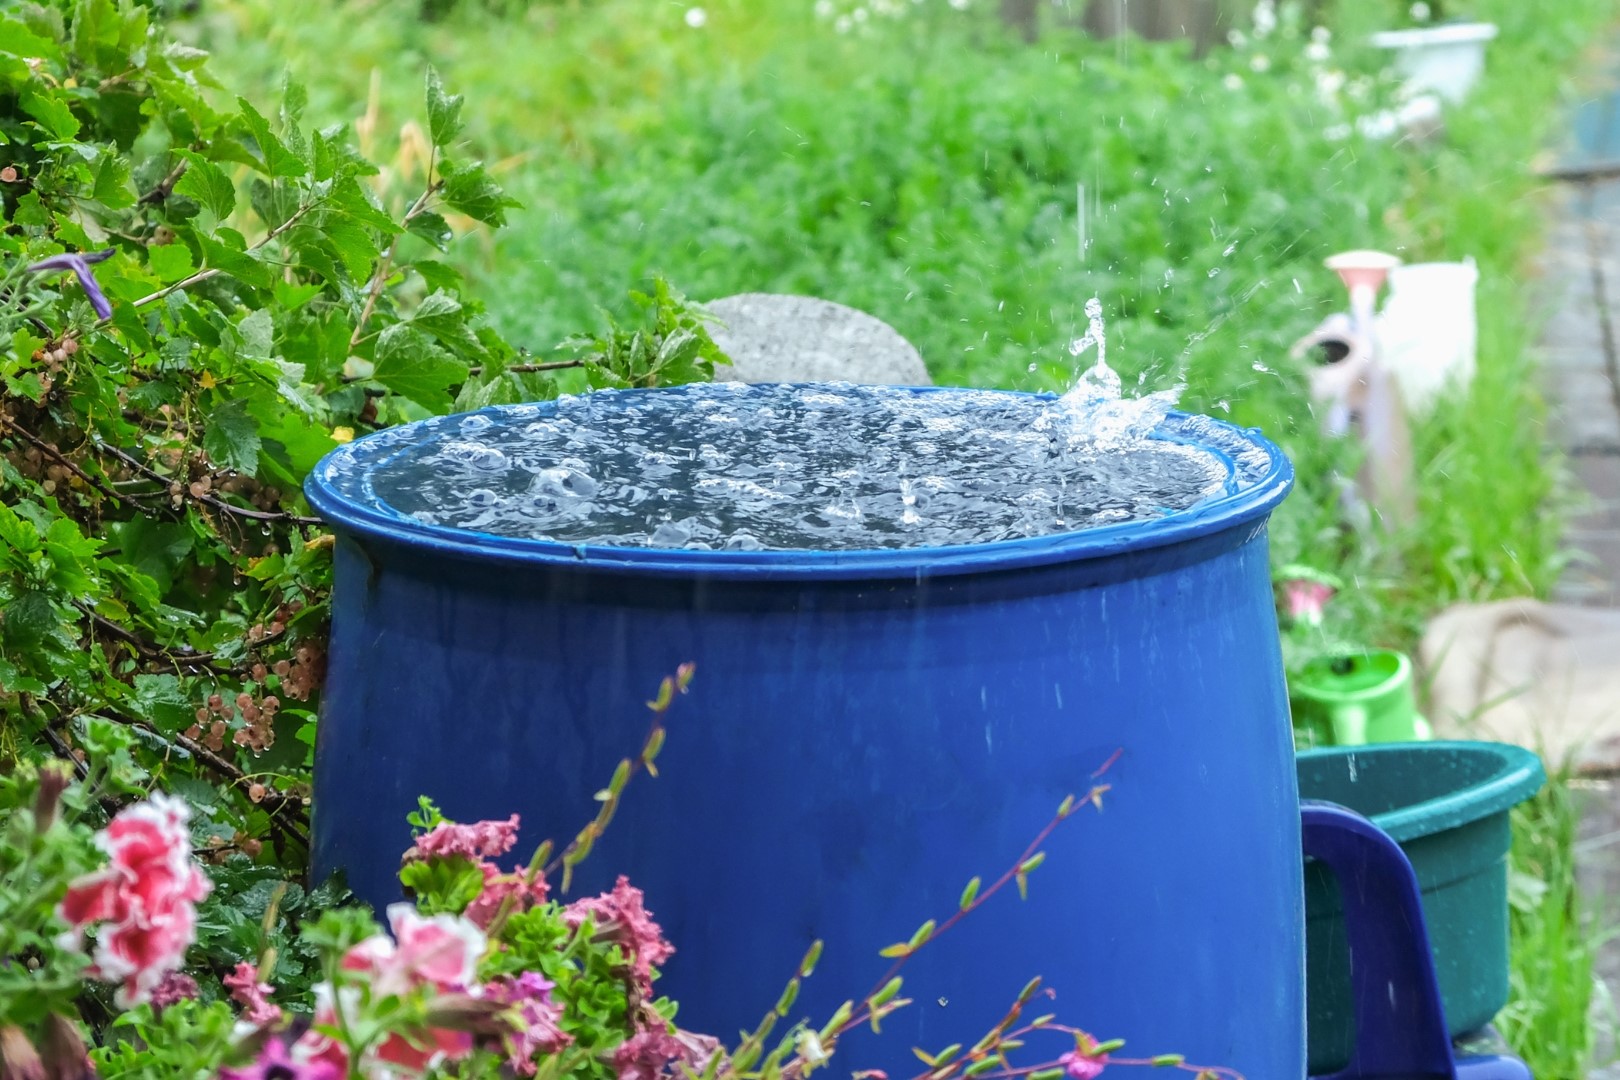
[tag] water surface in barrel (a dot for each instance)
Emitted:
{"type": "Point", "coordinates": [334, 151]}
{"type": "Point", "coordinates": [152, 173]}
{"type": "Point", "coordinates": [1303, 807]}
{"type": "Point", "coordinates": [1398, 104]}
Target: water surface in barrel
{"type": "Point", "coordinates": [825, 467]}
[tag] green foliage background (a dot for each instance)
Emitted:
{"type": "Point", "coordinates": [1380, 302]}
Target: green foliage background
{"type": "Point", "coordinates": [162, 586]}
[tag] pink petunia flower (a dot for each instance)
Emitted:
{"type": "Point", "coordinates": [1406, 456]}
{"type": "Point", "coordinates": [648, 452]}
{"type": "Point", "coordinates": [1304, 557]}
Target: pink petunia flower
{"type": "Point", "coordinates": [534, 1017]}
{"type": "Point", "coordinates": [145, 898]}
{"type": "Point", "coordinates": [253, 995]}
{"type": "Point", "coordinates": [277, 1062]}
{"type": "Point", "coordinates": [498, 887]}
{"type": "Point", "coordinates": [438, 953]}
{"type": "Point", "coordinates": [645, 1055]}
{"type": "Point", "coordinates": [176, 987]}
{"type": "Point", "coordinates": [621, 916]}
{"type": "Point", "coordinates": [478, 840]}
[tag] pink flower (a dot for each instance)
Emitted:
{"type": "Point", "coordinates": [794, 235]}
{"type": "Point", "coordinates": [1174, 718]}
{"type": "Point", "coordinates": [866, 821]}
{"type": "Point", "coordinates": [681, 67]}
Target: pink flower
{"type": "Point", "coordinates": [534, 1017]}
{"type": "Point", "coordinates": [1083, 1066]}
{"type": "Point", "coordinates": [1306, 599]}
{"type": "Point", "coordinates": [497, 888]}
{"type": "Point", "coordinates": [622, 917]}
{"type": "Point", "coordinates": [438, 953]}
{"type": "Point", "coordinates": [276, 1062]}
{"type": "Point", "coordinates": [442, 950]}
{"type": "Point", "coordinates": [176, 987]}
{"type": "Point", "coordinates": [481, 839]}
{"type": "Point", "coordinates": [253, 995]}
{"type": "Point", "coordinates": [644, 1055]}
{"type": "Point", "coordinates": [147, 896]}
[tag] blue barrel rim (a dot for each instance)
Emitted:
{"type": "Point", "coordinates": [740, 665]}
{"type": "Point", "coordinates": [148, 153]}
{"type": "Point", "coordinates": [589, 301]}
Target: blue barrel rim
{"type": "Point", "coordinates": [1519, 774]}
{"type": "Point", "coordinates": [1251, 504]}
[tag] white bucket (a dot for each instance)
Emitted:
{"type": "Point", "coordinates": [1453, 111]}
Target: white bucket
{"type": "Point", "coordinates": [1447, 60]}
{"type": "Point", "coordinates": [1426, 332]}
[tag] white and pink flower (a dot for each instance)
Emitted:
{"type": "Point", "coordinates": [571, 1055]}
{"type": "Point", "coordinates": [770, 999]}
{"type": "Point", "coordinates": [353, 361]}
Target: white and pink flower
{"type": "Point", "coordinates": [438, 953]}
{"type": "Point", "coordinates": [145, 899]}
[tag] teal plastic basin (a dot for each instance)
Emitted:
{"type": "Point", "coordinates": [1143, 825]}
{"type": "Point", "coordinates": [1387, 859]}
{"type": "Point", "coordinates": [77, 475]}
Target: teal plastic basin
{"type": "Point", "coordinates": [1446, 804]}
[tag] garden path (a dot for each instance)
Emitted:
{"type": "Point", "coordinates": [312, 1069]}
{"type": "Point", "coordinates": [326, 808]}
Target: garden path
{"type": "Point", "coordinates": [1580, 346]}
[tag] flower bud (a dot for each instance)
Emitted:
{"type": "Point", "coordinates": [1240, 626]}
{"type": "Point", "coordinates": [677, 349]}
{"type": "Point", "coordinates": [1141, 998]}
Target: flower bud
{"type": "Point", "coordinates": [18, 1058]}
{"type": "Point", "coordinates": [54, 778]}
{"type": "Point", "coordinates": [64, 1052]}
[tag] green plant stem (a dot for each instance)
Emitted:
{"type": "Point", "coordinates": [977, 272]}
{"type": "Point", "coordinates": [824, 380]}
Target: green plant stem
{"type": "Point", "coordinates": [385, 265]}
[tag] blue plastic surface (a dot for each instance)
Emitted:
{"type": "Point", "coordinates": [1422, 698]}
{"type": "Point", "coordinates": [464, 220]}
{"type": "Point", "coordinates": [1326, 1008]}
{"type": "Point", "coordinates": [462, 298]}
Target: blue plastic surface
{"type": "Point", "coordinates": [1401, 1031]}
{"type": "Point", "coordinates": [866, 732]}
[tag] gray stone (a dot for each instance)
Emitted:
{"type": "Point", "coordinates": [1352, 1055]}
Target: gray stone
{"type": "Point", "coordinates": [776, 338]}
{"type": "Point", "coordinates": [1543, 676]}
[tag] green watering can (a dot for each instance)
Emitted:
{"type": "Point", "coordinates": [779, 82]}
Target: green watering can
{"type": "Point", "coordinates": [1358, 698]}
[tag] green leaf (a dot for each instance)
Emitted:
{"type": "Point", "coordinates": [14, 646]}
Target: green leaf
{"type": "Point", "coordinates": [409, 363]}
{"type": "Point", "coordinates": [432, 228]}
{"type": "Point", "coordinates": [18, 535]}
{"type": "Point", "coordinates": [231, 439]}
{"type": "Point", "coordinates": [444, 111]}
{"type": "Point", "coordinates": [112, 188]}
{"type": "Point", "coordinates": [228, 253]}
{"type": "Point", "coordinates": [348, 196]}
{"type": "Point", "coordinates": [170, 262]}
{"type": "Point", "coordinates": [29, 617]}
{"type": "Point", "coordinates": [52, 113]}
{"type": "Point", "coordinates": [469, 189]}
{"type": "Point", "coordinates": [17, 40]}
{"type": "Point", "coordinates": [354, 245]}
{"type": "Point", "coordinates": [208, 184]}
{"type": "Point", "coordinates": [160, 700]}
{"type": "Point", "coordinates": [255, 335]}
{"type": "Point", "coordinates": [441, 315]}
{"type": "Point", "coordinates": [290, 297]}
{"type": "Point", "coordinates": [276, 158]}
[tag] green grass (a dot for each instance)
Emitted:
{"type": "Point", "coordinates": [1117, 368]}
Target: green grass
{"type": "Point", "coordinates": [1555, 938]}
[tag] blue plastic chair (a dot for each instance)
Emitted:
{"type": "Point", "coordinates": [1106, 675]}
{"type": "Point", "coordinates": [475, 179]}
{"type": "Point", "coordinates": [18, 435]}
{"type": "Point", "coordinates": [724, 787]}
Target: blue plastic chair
{"type": "Point", "coordinates": [1401, 1029]}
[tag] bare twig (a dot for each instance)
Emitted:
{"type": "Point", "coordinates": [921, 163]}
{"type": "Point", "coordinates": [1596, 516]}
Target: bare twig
{"type": "Point", "coordinates": [219, 764]}
{"type": "Point", "coordinates": [549, 365]}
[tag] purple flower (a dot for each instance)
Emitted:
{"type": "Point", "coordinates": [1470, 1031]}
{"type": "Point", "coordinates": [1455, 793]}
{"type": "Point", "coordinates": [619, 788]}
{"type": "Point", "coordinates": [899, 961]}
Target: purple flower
{"type": "Point", "coordinates": [276, 1063]}
{"type": "Point", "coordinates": [80, 265]}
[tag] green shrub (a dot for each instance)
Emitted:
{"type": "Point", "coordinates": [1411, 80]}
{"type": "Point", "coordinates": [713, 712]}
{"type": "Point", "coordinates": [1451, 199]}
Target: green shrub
{"type": "Point", "coordinates": [202, 298]}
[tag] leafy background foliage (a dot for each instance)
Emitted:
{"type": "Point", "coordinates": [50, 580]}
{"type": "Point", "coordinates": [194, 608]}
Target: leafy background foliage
{"type": "Point", "coordinates": [163, 588]}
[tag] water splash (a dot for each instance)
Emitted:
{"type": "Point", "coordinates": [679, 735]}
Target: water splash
{"type": "Point", "coordinates": [1095, 415]}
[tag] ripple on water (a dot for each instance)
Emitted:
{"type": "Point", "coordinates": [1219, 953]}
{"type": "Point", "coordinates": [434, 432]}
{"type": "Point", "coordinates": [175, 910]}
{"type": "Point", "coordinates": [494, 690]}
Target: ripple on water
{"type": "Point", "coordinates": [833, 467]}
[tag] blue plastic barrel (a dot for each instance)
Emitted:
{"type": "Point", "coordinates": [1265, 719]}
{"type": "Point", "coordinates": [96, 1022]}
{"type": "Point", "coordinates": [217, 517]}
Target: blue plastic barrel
{"type": "Point", "coordinates": [867, 731]}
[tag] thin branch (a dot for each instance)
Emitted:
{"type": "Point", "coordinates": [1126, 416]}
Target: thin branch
{"type": "Point", "coordinates": [205, 274]}
{"type": "Point", "coordinates": [217, 503]}
{"type": "Point", "coordinates": [549, 365]}
{"type": "Point", "coordinates": [165, 187]}
{"type": "Point", "coordinates": [56, 455]}
{"type": "Point", "coordinates": [157, 654]}
{"type": "Point", "coordinates": [225, 768]}
{"type": "Point", "coordinates": [385, 266]}
{"type": "Point", "coordinates": [62, 750]}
